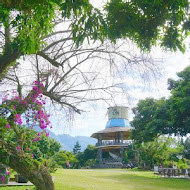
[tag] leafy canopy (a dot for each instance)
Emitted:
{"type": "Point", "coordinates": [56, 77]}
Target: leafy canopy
{"type": "Point", "coordinates": [144, 22]}
{"type": "Point", "coordinates": [180, 102]}
{"type": "Point", "coordinates": [151, 119]}
{"type": "Point", "coordinates": [172, 116]}
{"type": "Point", "coordinates": [149, 22]}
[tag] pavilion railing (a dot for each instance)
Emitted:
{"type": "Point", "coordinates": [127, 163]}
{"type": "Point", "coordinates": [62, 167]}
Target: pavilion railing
{"type": "Point", "coordinates": [110, 143]}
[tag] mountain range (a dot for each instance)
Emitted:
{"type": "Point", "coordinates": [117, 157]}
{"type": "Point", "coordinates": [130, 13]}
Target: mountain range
{"type": "Point", "coordinates": [67, 142]}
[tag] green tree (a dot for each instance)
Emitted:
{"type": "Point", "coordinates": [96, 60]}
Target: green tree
{"type": "Point", "coordinates": [149, 22]}
{"type": "Point", "coordinates": [32, 20]}
{"type": "Point", "coordinates": [171, 116]}
{"type": "Point", "coordinates": [64, 156]}
{"type": "Point", "coordinates": [180, 102]}
{"type": "Point", "coordinates": [151, 119]}
{"type": "Point", "coordinates": [76, 148]}
{"type": "Point", "coordinates": [186, 144]}
{"type": "Point", "coordinates": [162, 150]}
{"type": "Point", "coordinates": [88, 157]}
{"type": "Point", "coordinates": [144, 22]}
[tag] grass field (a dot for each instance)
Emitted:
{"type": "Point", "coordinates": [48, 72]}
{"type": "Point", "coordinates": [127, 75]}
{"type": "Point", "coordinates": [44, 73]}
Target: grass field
{"type": "Point", "coordinates": [111, 179]}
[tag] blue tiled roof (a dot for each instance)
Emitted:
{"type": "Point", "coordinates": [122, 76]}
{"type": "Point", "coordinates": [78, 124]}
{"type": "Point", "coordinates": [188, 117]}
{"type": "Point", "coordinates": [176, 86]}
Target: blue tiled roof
{"type": "Point", "coordinates": [118, 123]}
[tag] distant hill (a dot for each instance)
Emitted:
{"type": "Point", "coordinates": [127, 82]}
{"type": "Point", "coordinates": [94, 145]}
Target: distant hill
{"type": "Point", "coordinates": [67, 142]}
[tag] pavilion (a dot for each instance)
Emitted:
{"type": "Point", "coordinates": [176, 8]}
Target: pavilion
{"type": "Point", "coordinates": [115, 138]}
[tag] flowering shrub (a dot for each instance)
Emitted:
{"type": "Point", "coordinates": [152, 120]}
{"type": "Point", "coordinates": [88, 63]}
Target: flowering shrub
{"type": "Point", "coordinates": [14, 111]}
{"type": "Point", "coordinates": [4, 178]}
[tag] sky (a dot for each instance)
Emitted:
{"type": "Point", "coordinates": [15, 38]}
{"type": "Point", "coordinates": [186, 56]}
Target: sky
{"type": "Point", "coordinates": [95, 118]}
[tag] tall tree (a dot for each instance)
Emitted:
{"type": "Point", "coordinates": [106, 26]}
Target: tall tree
{"type": "Point", "coordinates": [151, 119]}
{"type": "Point", "coordinates": [76, 148]}
{"type": "Point", "coordinates": [172, 116]}
{"type": "Point", "coordinates": [24, 24]}
{"type": "Point", "coordinates": [186, 144]}
{"type": "Point", "coordinates": [180, 102]}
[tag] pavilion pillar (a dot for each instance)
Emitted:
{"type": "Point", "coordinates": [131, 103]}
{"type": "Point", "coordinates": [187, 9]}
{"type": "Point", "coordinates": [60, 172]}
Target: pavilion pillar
{"type": "Point", "coordinates": [100, 139]}
{"type": "Point", "coordinates": [122, 137]}
{"type": "Point", "coordinates": [100, 149]}
{"type": "Point", "coordinates": [100, 155]}
{"type": "Point", "coordinates": [122, 147]}
{"type": "Point", "coordinates": [122, 152]}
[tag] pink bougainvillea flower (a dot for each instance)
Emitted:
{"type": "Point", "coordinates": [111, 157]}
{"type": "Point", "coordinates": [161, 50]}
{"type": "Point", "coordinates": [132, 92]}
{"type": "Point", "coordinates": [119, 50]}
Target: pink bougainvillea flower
{"type": "Point", "coordinates": [25, 103]}
{"type": "Point", "coordinates": [38, 83]}
{"type": "Point", "coordinates": [36, 139]}
{"type": "Point", "coordinates": [5, 97]}
{"type": "Point", "coordinates": [18, 98]}
{"type": "Point", "coordinates": [14, 107]}
{"type": "Point", "coordinates": [8, 126]}
{"type": "Point", "coordinates": [2, 178]}
{"type": "Point", "coordinates": [8, 173]}
{"type": "Point", "coordinates": [32, 155]}
{"type": "Point", "coordinates": [47, 134]}
{"type": "Point", "coordinates": [18, 147]}
{"type": "Point", "coordinates": [37, 90]}
{"type": "Point", "coordinates": [18, 119]}
{"type": "Point", "coordinates": [28, 149]}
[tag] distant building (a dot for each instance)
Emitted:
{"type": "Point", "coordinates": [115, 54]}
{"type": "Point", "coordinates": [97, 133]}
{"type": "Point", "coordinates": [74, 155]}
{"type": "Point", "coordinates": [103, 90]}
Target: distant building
{"type": "Point", "coordinates": [115, 138]}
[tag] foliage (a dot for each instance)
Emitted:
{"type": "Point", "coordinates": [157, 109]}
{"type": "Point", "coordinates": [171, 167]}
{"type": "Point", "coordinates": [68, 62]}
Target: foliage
{"type": "Point", "coordinates": [186, 144]}
{"type": "Point", "coordinates": [30, 21]}
{"type": "Point", "coordinates": [4, 176]}
{"type": "Point", "coordinates": [63, 156]}
{"type": "Point", "coordinates": [162, 150]}
{"type": "Point", "coordinates": [149, 22]}
{"type": "Point", "coordinates": [151, 119]}
{"type": "Point", "coordinates": [146, 23]}
{"type": "Point", "coordinates": [11, 121]}
{"type": "Point", "coordinates": [44, 149]}
{"type": "Point", "coordinates": [88, 157]}
{"type": "Point", "coordinates": [18, 143]}
{"type": "Point", "coordinates": [33, 20]}
{"type": "Point", "coordinates": [182, 164]}
{"type": "Point", "coordinates": [171, 116]}
{"type": "Point", "coordinates": [180, 102]}
{"type": "Point", "coordinates": [77, 148]}
{"type": "Point", "coordinates": [47, 146]}
{"type": "Point", "coordinates": [81, 159]}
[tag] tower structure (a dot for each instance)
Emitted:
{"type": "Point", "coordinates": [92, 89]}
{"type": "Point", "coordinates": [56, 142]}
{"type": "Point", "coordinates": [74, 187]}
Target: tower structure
{"type": "Point", "coordinates": [115, 138]}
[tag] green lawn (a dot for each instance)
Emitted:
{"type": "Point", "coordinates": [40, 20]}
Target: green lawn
{"type": "Point", "coordinates": [108, 179]}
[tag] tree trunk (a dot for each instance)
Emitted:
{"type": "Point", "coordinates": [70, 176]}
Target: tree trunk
{"type": "Point", "coordinates": [31, 169]}
{"type": "Point", "coordinates": [8, 58]}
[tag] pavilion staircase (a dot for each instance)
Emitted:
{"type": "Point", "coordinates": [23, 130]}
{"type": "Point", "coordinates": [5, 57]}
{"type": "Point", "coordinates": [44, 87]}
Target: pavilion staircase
{"type": "Point", "coordinates": [115, 157]}
{"type": "Point", "coordinates": [114, 161]}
